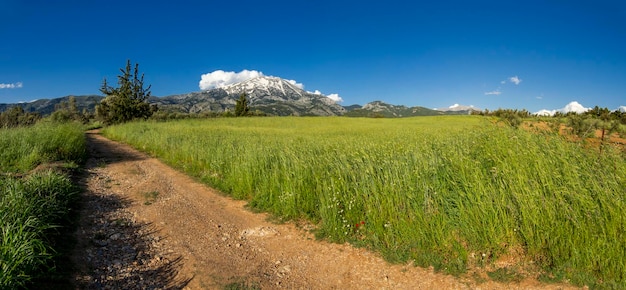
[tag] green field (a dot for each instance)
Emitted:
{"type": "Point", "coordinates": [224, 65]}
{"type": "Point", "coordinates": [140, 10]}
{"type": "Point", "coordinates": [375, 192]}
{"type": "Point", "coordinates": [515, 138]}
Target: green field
{"type": "Point", "coordinates": [456, 192]}
{"type": "Point", "coordinates": [34, 205]}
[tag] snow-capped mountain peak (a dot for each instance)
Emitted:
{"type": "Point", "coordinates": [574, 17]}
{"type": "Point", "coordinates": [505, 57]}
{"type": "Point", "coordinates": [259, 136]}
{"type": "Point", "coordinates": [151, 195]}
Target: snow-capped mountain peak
{"type": "Point", "coordinates": [265, 85]}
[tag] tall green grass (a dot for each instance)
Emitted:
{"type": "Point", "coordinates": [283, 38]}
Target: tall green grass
{"type": "Point", "coordinates": [30, 210]}
{"type": "Point", "coordinates": [22, 149]}
{"type": "Point", "coordinates": [31, 207]}
{"type": "Point", "coordinates": [450, 192]}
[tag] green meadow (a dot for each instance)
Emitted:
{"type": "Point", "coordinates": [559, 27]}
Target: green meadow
{"type": "Point", "coordinates": [34, 204]}
{"type": "Point", "coordinates": [453, 192]}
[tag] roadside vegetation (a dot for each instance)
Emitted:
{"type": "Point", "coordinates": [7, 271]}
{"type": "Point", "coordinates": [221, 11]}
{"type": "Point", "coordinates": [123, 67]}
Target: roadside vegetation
{"type": "Point", "coordinates": [37, 195]}
{"type": "Point", "coordinates": [35, 202]}
{"type": "Point", "coordinates": [458, 193]}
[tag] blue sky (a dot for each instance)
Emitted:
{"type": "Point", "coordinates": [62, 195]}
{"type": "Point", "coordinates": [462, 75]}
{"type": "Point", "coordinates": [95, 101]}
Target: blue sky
{"type": "Point", "coordinates": [490, 54]}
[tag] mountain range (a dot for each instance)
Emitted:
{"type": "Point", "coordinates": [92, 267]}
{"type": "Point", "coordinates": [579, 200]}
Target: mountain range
{"type": "Point", "coordinates": [270, 95]}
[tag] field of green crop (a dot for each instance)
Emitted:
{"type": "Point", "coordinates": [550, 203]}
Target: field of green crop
{"type": "Point", "coordinates": [33, 205]}
{"type": "Point", "coordinates": [453, 192]}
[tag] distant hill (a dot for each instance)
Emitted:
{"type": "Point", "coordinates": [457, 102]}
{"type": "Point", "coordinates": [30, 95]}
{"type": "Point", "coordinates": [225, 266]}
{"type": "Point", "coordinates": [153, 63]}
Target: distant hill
{"type": "Point", "coordinates": [382, 109]}
{"type": "Point", "coordinates": [457, 109]}
{"type": "Point", "coordinates": [47, 106]}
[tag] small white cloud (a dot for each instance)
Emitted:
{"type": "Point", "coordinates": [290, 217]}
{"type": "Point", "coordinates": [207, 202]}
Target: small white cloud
{"type": "Point", "coordinates": [545, 112]}
{"type": "Point", "coordinates": [622, 109]}
{"type": "Point", "coordinates": [496, 92]}
{"type": "Point", "coordinates": [220, 78]}
{"type": "Point", "coordinates": [516, 80]}
{"type": "Point", "coordinates": [335, 97]}
{"type": "Point", "coordinates": [17, 85]}
{"type": "Point", "coordinates": [571, 107]}
{"type": "Point", "coordinates": [454, 106]}
{"type": "Point", "coordinates": [299, 85]}
{"type": "Point", "coordinates": [503, 82]}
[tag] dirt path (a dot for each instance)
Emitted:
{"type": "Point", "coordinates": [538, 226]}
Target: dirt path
{"type": "Point", "coordinates": [146, 226]}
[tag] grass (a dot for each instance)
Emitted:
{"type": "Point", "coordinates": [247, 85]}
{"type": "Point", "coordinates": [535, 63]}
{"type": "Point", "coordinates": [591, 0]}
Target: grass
{"type": "Point", "coordinates": [440, 191]}
{"type": "Point", "coordinates": [22, 149]}
{"type": "Point", "coordinates": [33, 207]}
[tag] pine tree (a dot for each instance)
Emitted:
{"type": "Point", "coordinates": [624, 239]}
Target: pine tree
{"type": "Point", "coordinates": [241, 107]}
{"type": "Point", "coordinates": [128, 101]}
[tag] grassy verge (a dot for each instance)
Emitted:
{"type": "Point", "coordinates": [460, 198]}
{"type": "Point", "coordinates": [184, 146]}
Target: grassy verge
{"type": "Point", "coordinates": [22, 149]}
{"type": "Point", "coordinates": [34, 206]}
{"type": "Point", "coordinates": [451, 192]}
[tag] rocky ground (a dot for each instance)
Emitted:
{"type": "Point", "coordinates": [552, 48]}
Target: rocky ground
{"type": "Point", "coordinates": [144, 225]}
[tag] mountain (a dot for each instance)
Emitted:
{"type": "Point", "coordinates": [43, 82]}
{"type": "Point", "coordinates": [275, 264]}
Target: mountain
{"type": "Point", "coordinates": [47, 106]}
{"type": "Point", "coordinates": [459, 109]}
{"type": "Point", "coordinates": [382, 109]}
{"type": "Point", "coordinates": [270, 95]}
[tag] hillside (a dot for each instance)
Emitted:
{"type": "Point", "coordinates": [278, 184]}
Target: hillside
{"type": "Point", "coordinates": [47, 106]}
{"type": "Point", "coordinates": [381, 109]}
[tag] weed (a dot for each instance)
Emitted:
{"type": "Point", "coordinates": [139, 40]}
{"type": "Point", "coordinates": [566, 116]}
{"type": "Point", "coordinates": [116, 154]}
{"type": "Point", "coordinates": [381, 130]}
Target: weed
{"type": "Point", "coordinates": [506, 275]}
{"type": "Point", "coordinates": [150, 197]}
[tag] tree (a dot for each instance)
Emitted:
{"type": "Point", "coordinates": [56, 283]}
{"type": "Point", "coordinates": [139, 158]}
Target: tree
{"type": "Point", "coordinates": [67, 111]}
{"type": "Point", "coordinates": [16, 116]}
{"type": "Point", "coordinates": [128, 101]}
{"type": "Point", "coordinates": [241, 107]}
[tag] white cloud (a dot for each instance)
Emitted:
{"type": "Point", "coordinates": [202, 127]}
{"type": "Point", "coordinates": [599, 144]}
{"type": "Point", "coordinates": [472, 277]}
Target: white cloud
{"type": "Point", "coordinates": [335, 97]}
{"type": "Point", "coordinates": [503, 82]}
{"type": "Point", "coordinates": [299, 85]}
{"type": "Point", "coordinates": [220, 78]}
{"type": "Point", "coordinates": [571, 107]}
{"type": "Point", "coordinates": [545, 112]}
{"type": "Point", "coordinates": [516, 80]}
{"type": "Point", "coordinates": [574, 107]}
{"type": "Point", "coordinates": [496, 92]}
{"type": "Point", "coordinates": [622, 109]}
{"type": "Point", "coordinates": [11, 85]}
{"type": "Point", "coordinates": [453, 106]}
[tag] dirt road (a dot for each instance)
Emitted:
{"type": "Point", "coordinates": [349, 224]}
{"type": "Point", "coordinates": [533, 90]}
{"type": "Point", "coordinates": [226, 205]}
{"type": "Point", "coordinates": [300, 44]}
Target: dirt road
{"type": "Point", "coordinates": [146, 226]}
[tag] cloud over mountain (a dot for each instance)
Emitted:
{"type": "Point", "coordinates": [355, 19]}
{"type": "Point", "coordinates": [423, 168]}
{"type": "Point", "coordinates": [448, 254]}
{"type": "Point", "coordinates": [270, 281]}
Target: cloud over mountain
{"type": "Point", "coordinates": [220, 79]}
{"type": "Point", "coordinates": [334, 97]}
{"type": "Point", "coordinates": [571, 107]}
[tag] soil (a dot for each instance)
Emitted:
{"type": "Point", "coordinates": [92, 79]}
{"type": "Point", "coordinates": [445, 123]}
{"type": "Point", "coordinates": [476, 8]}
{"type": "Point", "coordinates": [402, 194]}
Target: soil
{"type": "Point", "coordinates": [144, 225]}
